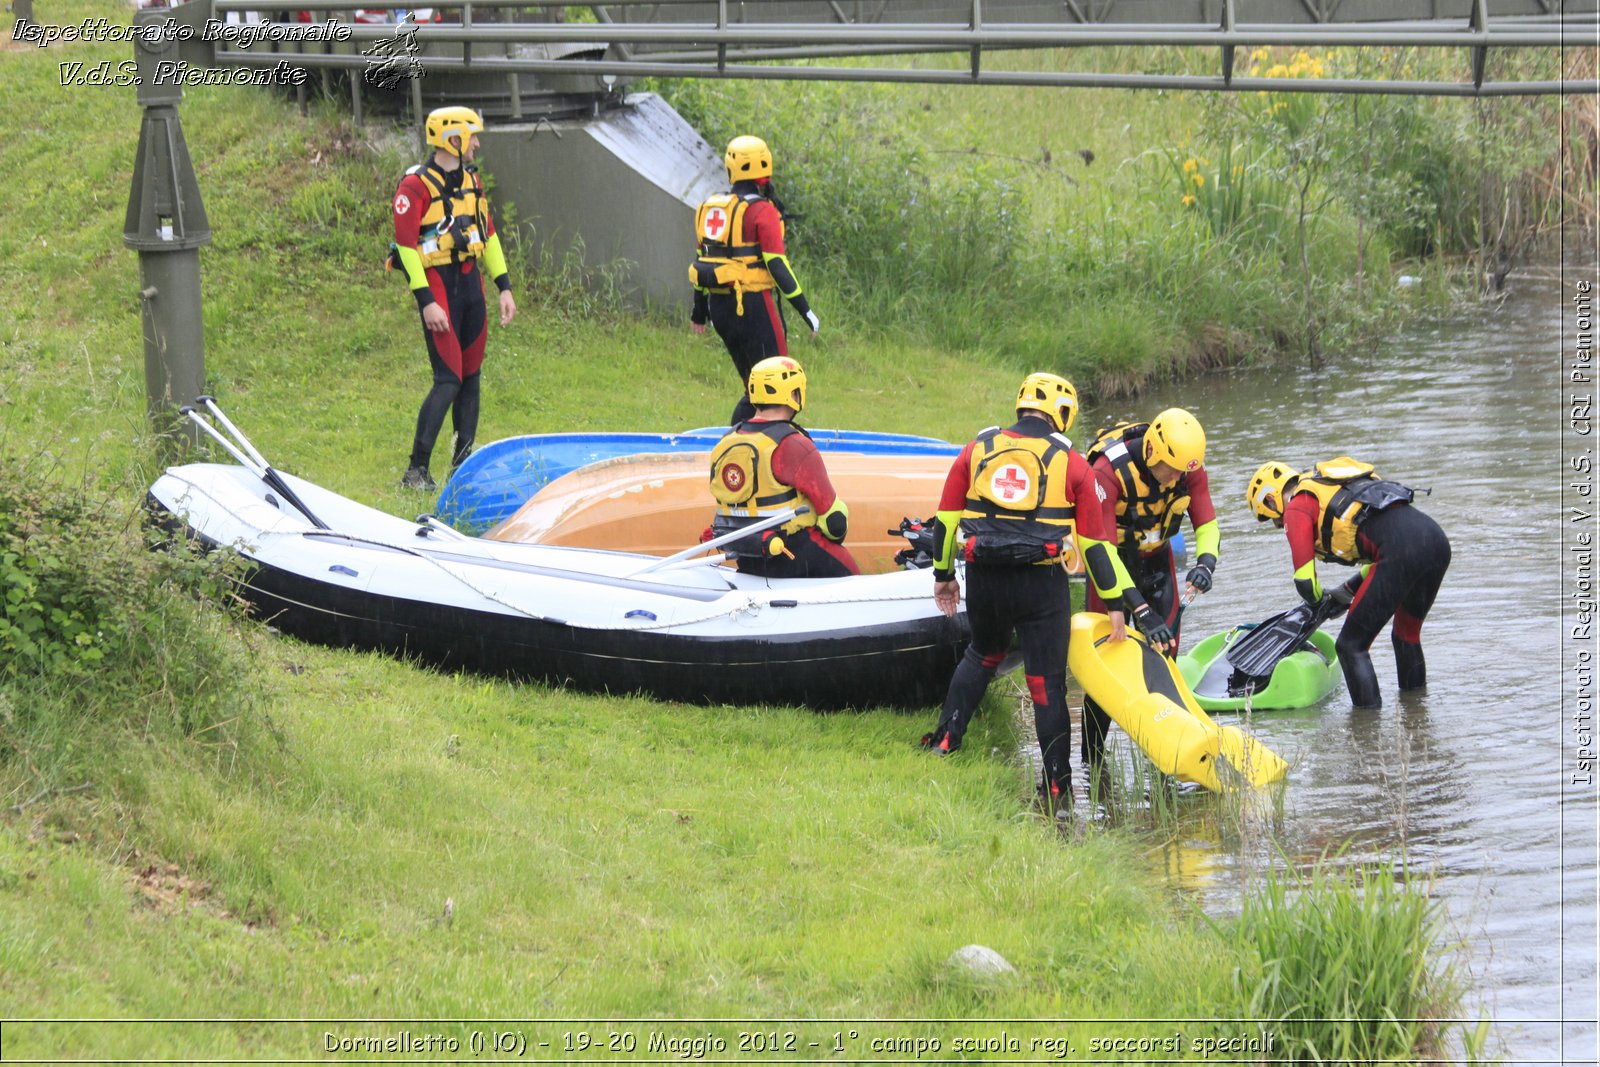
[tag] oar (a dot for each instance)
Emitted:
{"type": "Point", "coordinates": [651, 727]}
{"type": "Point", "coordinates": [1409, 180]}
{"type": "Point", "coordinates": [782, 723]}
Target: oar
{"type": "Point", "coordinates": [254, 462]}
{"type": "Point", "coordinates": [1275, 639]}
{"type": "Point", "coordinates": [717, 542]}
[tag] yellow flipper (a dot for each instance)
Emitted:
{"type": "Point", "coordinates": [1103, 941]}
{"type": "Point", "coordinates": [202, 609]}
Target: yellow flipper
{"type": "Point", "coordinates": [1144, 694]}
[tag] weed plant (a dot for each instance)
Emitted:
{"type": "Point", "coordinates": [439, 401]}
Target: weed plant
{"type": "Point", "coordinates": [1352, 965]}
{"type": "Point", "coordinates": [104, 640]}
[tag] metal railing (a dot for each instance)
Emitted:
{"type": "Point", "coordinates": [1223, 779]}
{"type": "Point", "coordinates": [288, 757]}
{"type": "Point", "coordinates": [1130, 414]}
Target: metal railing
{"type": "Point", "coordinates": [727, 48]}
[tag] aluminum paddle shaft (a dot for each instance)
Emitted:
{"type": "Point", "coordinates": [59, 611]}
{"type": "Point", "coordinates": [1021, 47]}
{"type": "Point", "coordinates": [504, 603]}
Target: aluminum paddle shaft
{"type": "Point", "coordinates": [242, 450]}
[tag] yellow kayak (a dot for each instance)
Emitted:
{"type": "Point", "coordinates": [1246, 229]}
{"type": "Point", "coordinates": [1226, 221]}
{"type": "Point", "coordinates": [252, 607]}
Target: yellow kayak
{"type": "Point", "coordinates": [1144, 694]}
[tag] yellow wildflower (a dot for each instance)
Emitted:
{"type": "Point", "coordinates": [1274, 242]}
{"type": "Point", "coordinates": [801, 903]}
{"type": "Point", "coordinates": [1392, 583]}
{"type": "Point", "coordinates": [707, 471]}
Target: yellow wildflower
{"type": "Point", "coordinates": [1198, 179]}
{"type": "Point", "coordinates": [1277, 70]}
{"type": "Point", "coordinates": [1189, 166]}
{"type": "Point", "coordinates": [1188, 200]}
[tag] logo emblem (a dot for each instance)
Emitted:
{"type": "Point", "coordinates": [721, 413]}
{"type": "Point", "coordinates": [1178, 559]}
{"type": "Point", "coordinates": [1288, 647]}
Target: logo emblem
{"type": "Point", "coordinates": [716, 222]}
{"type": "Point", "coordinates": [732, 478]}
{"type": "Point", "coordinates": [402, 204]}
{"type": "Point", "coordinates": [1011, 483]}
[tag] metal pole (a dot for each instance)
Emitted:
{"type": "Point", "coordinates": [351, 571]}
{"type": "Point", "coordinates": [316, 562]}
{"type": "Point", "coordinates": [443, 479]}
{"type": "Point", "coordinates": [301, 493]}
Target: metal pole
{"type": "Point", "coordinates": [417, 117]}
{"type": "Point", "coordinates": [166, 225]}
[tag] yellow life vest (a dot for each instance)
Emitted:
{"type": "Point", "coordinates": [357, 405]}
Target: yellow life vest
{"type": "Point", "coordinates": [1017, 509]}
{"type": "Point", "coordinates": [456, 223]}
{"type": "Point", "coordinates": [1348, 493]}
{"type": "Point", "coordinates": [1148, 513]}
{"type": "Point", "coordinates": [743, 483]}
{"type": "Point", "coordinates": [723, 263]}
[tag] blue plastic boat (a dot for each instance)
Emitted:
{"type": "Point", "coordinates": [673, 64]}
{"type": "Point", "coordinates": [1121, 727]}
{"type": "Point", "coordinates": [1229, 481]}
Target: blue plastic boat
{"type": "Point", "coordinates": [499, 478]}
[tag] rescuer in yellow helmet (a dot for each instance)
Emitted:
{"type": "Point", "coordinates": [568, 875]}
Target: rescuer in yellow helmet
{"type": "Point", "coordinates": [1023, 496]}
{"type": "Point", "coordinates": [1152, 475]}
{"type": "Point", "coordinates": [740, 262]}
{"type": "Point", "coordinates": [1341, 512]}
{"type": "Point", "coordinates": [442, 233]}
{"type": "Point", "coordinates": [767, 465]}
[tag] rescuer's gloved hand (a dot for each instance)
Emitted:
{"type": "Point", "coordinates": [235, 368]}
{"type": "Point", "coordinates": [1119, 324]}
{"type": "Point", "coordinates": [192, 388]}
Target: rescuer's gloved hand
{"type": "Point", "coordinates": [1151, 625]}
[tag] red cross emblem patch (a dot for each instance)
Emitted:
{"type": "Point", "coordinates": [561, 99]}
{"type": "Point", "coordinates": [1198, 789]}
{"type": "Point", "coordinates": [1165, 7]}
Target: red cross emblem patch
{"type": "Point", "coordinates": [716, 222]}
{"type": "Point", "coordinates": [732, 478]}
{"type": "Point", "coordinates": [1011, 483]}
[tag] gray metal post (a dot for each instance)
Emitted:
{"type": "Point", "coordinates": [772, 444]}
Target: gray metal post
{"type": "Point", "coordinates": [166, 224]}
{"type": "Point", "coordinates": [419, 117]}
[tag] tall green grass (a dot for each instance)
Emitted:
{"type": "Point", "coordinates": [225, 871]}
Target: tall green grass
{"type": "Point", "coordinates": [1353, 966]}
{"type": "Point", "coordinates": [104, 640]}
{"type": "Point", "coordinates": [1041, 228]}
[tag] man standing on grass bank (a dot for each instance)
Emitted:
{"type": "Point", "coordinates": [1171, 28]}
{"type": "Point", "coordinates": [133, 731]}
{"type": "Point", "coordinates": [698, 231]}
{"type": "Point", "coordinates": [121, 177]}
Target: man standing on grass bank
{"type": "Point", "coordinates": [1021, 495]}
{"type": "Point", "coordinates": [740, 261]}
{"type": "Point", "coordinates": [1340, 511]}
{"type": "Point", "coordinates": [442, 230]}
{"type": "Point", "coordinates": [766, 465]}
{"type": "Point", "coordinates": [1153, 474]}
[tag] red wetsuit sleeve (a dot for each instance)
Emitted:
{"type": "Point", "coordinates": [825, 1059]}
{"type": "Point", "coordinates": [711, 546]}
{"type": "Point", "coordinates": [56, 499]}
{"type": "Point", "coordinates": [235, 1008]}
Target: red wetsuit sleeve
{"type": "Point", "coordinates": [1300, 525]}
{"type": "Point", "coordinates": [1111, 488]}
{"type": "Point", "coordinates": [764, 227]}
{"type": "Point", "coordinates": [1092, 500]}
{"type": "Point", "coordinates": [1201, 509]}
{"type": "Point", "coordinates": [411, 202]}
{"type": "Point", "coordinates": [797, 462]}
{"type": "Point", "coordinates": [958, 481]}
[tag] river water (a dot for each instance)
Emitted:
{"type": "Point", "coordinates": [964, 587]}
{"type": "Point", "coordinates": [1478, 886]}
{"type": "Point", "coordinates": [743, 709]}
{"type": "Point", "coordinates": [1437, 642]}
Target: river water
{"type": "Point", "coordinates": [1470, 782]}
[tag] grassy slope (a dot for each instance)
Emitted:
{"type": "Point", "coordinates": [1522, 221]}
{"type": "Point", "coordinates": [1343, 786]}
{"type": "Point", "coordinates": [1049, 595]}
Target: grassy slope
{"type": "Point", "coordinates": [604, 856]}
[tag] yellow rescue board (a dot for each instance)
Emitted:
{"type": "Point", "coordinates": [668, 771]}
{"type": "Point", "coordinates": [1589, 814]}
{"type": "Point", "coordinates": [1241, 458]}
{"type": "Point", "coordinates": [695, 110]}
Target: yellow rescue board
{"type": "Point", "coordinates": [1144, 694]}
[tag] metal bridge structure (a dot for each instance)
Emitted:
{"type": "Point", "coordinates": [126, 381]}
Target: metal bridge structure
{"type": "Point", "coordinates": [788, 39]}
{"type": "Point", "coordinates": [616, 175]}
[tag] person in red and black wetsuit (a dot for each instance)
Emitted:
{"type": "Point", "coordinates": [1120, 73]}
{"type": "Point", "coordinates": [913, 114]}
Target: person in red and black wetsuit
{"type": "Point", "coordinates": [1340, 511]}
{"type": "Point", "coordinates": [1153, 475]}
{"type": "Point", "coordinates": [767, 464]}
{"type": "Point", "coordinates": [442, 229]}
{"type": "Point", "coordinates": [1022, 495]}
{"type": "Point", "coordinates": [740, 261]}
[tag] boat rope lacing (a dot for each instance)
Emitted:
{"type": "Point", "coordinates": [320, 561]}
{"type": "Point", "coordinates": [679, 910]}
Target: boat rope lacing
{"type": "Point", "coordinates": [747, 606]}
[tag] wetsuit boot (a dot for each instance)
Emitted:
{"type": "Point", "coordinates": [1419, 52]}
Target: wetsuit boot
{"type": "Point", "coordinates": [1096, 724]}
{"type": "Point", "coordinates": [1054, 728]}
{"type": "Point", "coordinates": [1410, 665]}
{"type": "Point", "coordinates": [1360, 678]}
{"type": "Point", "coordinates": [967, 687]}
{"type": "Point", "coordinates": [464, 415]}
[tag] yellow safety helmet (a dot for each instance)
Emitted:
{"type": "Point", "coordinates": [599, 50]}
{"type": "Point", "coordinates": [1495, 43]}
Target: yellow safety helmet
{"type": "Point", "coordinates": [748, 157]}
{"type": "Point", "coordinates": [1051, 394]}
{"type": "Point", "coordinates": [444, 123]}
{"type": "Point", "coordinates": [1266, 489]}
{"type": "Point", "coordinates": [1175, 438]}
{"type": "Point", "coordinates": [775, 380]}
